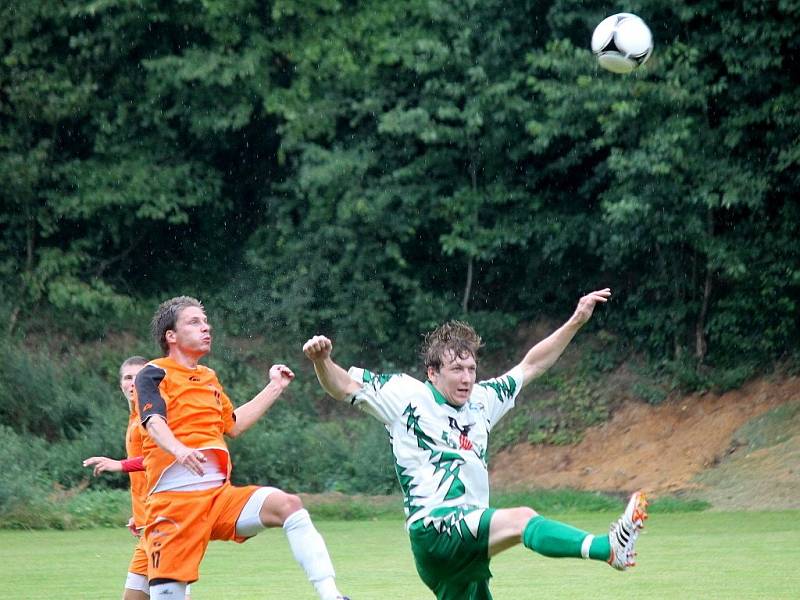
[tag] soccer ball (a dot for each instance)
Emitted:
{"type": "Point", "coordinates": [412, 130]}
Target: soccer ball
{"type": "Point", "coordinates": [622, 42]}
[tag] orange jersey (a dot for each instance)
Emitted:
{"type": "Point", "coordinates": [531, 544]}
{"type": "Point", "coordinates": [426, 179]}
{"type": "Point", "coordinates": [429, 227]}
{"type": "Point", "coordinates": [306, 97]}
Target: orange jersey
{"type": "Point", "coordinates": [133, 446]}
{"type": "Point", "coordinates": [194, 406]}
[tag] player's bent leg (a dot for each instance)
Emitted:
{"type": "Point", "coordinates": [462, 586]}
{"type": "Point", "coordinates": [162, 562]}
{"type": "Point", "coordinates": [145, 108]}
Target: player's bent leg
{"type": "Point", "coordinates": [311, 553]}
{"type": "Point", "coordinates": [250, 521]}
{"type": "Point", "coordinates": [507, 525]}
{"type": "Point", "coordinates": [277, 508]}
{"type": "Point", "coordinates": [559, 540]}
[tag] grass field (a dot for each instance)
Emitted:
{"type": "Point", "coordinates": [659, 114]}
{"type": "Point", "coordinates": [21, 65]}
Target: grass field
{"type": "Point", "coordinates": [708, 555]}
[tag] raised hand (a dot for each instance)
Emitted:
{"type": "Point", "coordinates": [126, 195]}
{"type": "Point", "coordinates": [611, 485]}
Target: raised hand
{"type": "Point", "coordinates": [318, 348]}
{"type": "Point", "coordinates": [280, 375]}
{"type": "Point", "coordinates": [586, 305]}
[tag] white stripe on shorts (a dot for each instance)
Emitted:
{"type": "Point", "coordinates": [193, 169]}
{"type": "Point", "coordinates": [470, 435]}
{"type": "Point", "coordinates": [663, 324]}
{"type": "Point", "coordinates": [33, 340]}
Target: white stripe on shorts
{"type": "Point", "coordinates": [249, 522]}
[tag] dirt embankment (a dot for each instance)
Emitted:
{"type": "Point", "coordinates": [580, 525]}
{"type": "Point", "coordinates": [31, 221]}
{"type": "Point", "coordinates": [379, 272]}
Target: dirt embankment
{"type": "Point", "coordinates": [682, 446]}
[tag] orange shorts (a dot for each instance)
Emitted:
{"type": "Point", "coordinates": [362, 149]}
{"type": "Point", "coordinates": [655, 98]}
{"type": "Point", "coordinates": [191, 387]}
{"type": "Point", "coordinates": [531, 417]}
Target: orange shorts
{"type": "Point", "coordinates": [180, 525]}
{"type": "Point", "coordinates": [139, 560]}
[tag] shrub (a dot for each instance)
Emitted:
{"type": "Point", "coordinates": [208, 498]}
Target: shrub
{"type": "Point", "coordinates": [21, 478]}
{"type": "Point", "coordinates": [349, 455]}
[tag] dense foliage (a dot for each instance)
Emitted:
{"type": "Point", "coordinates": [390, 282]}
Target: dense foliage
{"type": "Point", "coordinates": [367, 169]}
{"type": "Point", "coordinates": [370, 168]}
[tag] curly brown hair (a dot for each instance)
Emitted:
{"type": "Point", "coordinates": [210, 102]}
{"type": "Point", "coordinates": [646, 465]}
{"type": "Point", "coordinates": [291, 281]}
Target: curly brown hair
{"type": "Point", "coordinates": [167, 316]}
{"type": "Point", "coordinates": [454, 337]}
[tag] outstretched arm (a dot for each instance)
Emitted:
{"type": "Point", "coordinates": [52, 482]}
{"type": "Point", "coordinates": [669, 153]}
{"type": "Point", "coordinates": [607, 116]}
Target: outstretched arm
{"type": "Point", "coordinates": [545, 353]}
{"type": "Point", "coordinates": [280, 376]}
{"type": "Point", "coordinates": [333, 378]}
{"type": "Point", "coordinates": [103, 464]}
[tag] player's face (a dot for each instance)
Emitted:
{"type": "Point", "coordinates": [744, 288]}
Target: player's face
{"type": "Point", "coordinates": [455, 379]}
{"type": "Point", "coordinates": [126, 379]}
{"type": "Point", "coordinates": [192, 333]}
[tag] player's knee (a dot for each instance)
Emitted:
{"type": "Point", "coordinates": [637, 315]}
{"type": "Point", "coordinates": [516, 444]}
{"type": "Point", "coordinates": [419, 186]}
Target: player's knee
{"type": "Point", "coordinates": [278, 507]}
{"type": "Point", "coordinates": [521, 516]}
{"type": "Point", "coordinates": [291, 505]}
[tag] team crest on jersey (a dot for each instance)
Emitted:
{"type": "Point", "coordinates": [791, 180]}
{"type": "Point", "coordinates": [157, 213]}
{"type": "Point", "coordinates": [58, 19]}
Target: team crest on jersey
{"type": "Point", "coordinates": [464, 443]}
{"type": "Point", "coordinates": [458, 438]}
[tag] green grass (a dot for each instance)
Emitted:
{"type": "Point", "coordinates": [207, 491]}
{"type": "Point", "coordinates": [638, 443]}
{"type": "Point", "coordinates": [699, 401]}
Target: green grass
{"type": "Point", "coordinates": [737, 555]}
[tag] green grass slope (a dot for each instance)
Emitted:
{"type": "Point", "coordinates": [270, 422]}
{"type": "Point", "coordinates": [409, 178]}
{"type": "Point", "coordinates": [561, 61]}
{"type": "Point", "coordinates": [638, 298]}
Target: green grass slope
{"type": "Point", "coordinates": [763, 468]}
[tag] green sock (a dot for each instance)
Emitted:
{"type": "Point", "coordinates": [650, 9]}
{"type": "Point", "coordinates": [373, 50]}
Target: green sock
{"type": "Point", "coordinates": [600, 548]}
{"type": "Point", "coordinates": [559, 540]}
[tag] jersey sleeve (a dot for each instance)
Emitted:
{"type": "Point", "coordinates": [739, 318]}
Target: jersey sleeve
{"type": "Point", "coordinates": [500, 393]}
{"type": "Point", "coordinates": [132, 465]}
{"type": "Point", "coordinates": [148, 394]}
{"type": "Point", "coordinates": [384, 396]}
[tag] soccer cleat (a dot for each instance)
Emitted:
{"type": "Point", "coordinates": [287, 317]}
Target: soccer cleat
{"type": "Point", "coordinates": [625, 530]}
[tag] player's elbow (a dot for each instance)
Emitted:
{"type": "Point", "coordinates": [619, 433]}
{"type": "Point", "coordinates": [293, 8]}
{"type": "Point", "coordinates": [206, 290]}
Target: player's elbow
{"type": "Point", "coordinates": [344, 395]}
{"type": "Point", "coordinates": [339, 395]}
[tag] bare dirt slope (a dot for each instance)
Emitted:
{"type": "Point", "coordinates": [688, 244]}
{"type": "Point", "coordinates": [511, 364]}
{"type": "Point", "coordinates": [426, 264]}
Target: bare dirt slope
{"type": "Point", "coordinates": [685, 446]}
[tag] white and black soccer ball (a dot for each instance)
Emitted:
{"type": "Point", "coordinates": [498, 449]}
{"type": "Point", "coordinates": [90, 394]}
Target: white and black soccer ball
{"type": "Point", "coordinates": [622, 42]}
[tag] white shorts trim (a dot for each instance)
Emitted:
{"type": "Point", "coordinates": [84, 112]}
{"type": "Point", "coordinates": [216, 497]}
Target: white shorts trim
{"type": "Point", "coordinates": [135, 581]}
{"type": "Point", "coordinates": [249, 522]}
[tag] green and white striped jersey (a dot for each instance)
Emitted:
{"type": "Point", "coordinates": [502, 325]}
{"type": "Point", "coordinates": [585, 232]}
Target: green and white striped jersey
{"type": "Point", "coordinates": [440, 452]}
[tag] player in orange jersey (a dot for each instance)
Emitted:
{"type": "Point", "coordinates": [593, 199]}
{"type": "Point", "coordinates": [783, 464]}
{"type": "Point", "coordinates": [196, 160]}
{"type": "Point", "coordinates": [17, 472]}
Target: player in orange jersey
{"type": "Point", "coordinates": [186, 415]}
{"type": "Point", "coordinates": [136, 586]}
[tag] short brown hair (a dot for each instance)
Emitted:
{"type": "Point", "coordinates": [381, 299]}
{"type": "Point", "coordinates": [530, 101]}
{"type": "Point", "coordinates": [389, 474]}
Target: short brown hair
{"type": "Point", "coordinates": [454, 336]}
{"type": "Point", "coordinates": [132, 360]}
{"type": "Point", "coordinates": [167, 315]}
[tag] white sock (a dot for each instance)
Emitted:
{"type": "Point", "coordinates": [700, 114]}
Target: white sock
{"type": "Point", "coordinates": [309, 550]}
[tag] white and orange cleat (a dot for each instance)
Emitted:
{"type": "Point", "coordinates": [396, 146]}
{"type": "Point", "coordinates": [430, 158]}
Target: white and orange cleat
{"type": "Point", "coordinates": [625, 530]}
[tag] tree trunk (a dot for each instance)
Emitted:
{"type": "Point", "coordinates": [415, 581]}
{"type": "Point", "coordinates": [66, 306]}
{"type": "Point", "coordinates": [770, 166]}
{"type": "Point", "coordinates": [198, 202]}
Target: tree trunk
{"type": "Point", "coordinates": [700, 343]}
{"type": "Point", "coordinates": [467, 287]}
{"type": "Point", "coordinates": [473, 173]}
{"type": "Point", "coordinates": [30, 242]}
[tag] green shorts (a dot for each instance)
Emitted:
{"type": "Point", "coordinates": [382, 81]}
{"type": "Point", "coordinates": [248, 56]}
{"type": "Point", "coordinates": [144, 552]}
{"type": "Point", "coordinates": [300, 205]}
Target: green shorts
{"type": "Point", "coordinates": [453, 559]}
